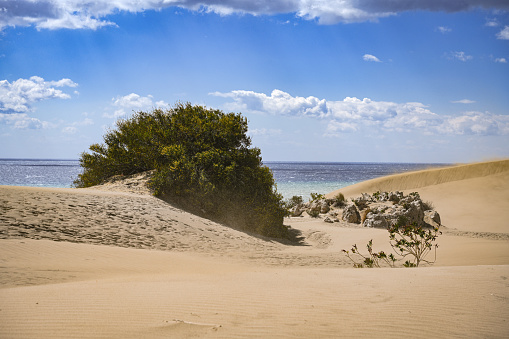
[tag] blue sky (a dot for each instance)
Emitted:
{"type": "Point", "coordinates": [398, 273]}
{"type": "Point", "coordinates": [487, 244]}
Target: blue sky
{"type": "Point", "coordinates": [363, 80]}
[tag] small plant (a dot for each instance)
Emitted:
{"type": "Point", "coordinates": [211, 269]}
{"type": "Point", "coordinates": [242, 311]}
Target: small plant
{"type": "Point", "coordinates": [316, 196]}
{"type": "Point", "coordinates": [409, 240]}
{"type": "Point", "coordinates": [412, 240]}
{"type": "Point", "coordinates": [339, 200]}
{"type": "Point", "coordinates": [377, 195]}
{"type": "Point", "coordinates": [371, 260]}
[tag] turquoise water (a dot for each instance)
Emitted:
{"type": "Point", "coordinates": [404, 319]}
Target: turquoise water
{"type": "Point", "coordinates": [304, 178]}
{"type": "Point", "coordinates": [292, 178]}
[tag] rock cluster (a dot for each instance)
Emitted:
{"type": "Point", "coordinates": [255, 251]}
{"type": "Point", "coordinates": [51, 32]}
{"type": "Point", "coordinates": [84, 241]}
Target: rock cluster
{"type": "Point", "coordinates": [388, 208]}
{"type": "Point", "coordinates": [380, 210]}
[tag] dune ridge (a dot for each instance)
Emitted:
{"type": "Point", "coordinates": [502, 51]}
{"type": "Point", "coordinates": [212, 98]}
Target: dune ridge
{"type": "Point", "coordinates": [427, 177]}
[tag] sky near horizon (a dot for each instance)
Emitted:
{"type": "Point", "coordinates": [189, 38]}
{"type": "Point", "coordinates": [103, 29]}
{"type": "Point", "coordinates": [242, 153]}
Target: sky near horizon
{"type": "Point", "coordinates": [338, 80]}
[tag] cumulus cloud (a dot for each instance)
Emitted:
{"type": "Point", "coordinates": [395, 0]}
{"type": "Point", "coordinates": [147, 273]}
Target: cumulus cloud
{"type": "Point", "coordinates": [352, 114]}
{"type": "Point", "coordinates": [19, 95]}
{"type": "Point", "coordinates": [501, 60]}
{"type": "Point", "coordinates": [503, 34]}
{"type": "Point", "coordinates": [476, 123]}
{"type": "Point", "coordinates": [92, 14]}
{"type": "Point", "coordinates": [22, 121]}
{"type": "Point", "coordinates": [369, 57]}
{"type": "Point", "coordinates": [133, 102]}
{"type": "Point", "coordinates": [278, 102]}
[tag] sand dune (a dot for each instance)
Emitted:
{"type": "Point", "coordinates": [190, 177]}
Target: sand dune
{"type": "Point", "coordinates": [429, 177]}
{"type": "Point", "coordinates": [472, 197]}
{"type": "Point", "coordinates": [115, 262]}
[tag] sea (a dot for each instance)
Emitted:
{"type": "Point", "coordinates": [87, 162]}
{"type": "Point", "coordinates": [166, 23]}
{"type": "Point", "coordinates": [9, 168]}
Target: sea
{"type": "Point", "coordinates": [292, 178]}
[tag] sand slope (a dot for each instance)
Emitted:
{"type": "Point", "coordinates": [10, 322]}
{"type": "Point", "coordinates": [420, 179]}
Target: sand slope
{"type": "Point", "coordinates": [429, 177]}
{"type": "Point", "coordinates": [110, 263]}
{"type": "Point", "coordinates": [113, 218]}
{"type": "Point", "coordinates": [472, 197]}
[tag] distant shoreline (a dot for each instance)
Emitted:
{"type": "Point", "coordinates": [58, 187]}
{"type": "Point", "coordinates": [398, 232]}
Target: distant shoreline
{"type": "Point", "coordinates": [270, 161]}
{"type": "Point", "coordinates": [292, 177]}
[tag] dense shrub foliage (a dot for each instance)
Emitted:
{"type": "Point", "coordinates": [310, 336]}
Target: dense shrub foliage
{"type": "Point", "coordinates": [203, 163]}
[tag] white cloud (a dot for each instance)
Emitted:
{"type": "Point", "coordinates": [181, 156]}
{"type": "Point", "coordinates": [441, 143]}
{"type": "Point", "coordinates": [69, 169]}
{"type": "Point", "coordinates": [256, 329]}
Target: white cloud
{"type": "Point", "coordinates": [20, 94]}
{"type": "Point", "coordinates": [92, 14]}
{"type": "Point", "coordinates": [463, 101]}
{"type": "Point", "coordinates": [501, 60]}
{"type": "Point", "coordinates": [162, 104]}
{"type": "Point", "coordinates": [133, 102]}
{"type": "Point", "coordinates": [503, 34]}
{"type": "Point", "coordinates": [116, 114]}
{"type": "Point", "coordinates": [62, 83]}
{"type": "Point", "coordinates": [74, 21]}
{"type": "Point", "coordinates": [459, 56]}
{"type": "Point", "coordinates": [352, 114]}
{"type": "Point", "coordinates": [22, 121]}
{"type": "Point", "coordinates": [369, 57]}
{"type": "Point", "coordinates": [492, 22]}
{"type": "Point", "coordinates": [476, 123]}
{"type": "Point", "coordinates": [443, 29]}
{"type": "Point", "coordinates": [278, 102]}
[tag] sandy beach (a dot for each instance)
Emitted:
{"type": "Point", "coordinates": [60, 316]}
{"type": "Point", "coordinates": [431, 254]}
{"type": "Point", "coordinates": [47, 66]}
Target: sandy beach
{"type": "Point", "coordinates": [115, 262]}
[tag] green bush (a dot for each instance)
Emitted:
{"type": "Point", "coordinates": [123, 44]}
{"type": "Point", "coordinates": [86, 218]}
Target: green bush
{"type": "Point", "coordinates": [203, 162]}
{"type": "Point", "coordinates": [316, 196]}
